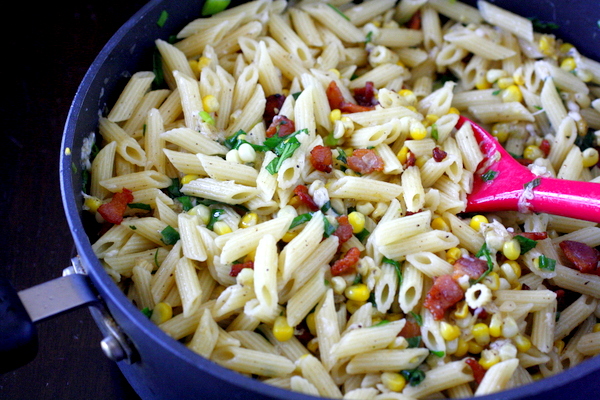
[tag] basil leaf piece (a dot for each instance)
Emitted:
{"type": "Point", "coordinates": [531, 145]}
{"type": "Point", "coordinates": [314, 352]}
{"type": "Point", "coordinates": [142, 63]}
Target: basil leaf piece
{"type": "Point", "coordinates": [362, 235]}
{"type": "Point", "coordinates": [489, 175]}
{"type": "Point", "coordinates": [214, 217]}
{"type": "Point", "coordinates": [414, 342]}
{"type": "Point", "coordinates": [526, 243]}
{"type": "Point", "coordinates": [140, 206]}
{"type": "Point", "coordinates": [413, 376]}
{"type": "Point", "coordinates": [397, 267]}
{"type": "Point", "coordinates": [147, 312]}
{"type": "Point", "coordinates": [169, 235]}
{"type": "Point", "coordinates": [485, 251]}
{"type": "Point", "coordinates": [380, 323]}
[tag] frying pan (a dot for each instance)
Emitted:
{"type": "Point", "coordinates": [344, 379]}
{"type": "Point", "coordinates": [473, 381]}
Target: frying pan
{"type": "Point", "coordinates": [156, 366]}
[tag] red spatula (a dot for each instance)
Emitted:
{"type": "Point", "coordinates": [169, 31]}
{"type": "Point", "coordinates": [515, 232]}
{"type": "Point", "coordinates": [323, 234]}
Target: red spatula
{"type": "Point", "coordinates": [502, 184]}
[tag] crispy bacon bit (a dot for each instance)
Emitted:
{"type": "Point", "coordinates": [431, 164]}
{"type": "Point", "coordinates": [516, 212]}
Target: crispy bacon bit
{"type": "Point", "coordinates": [411, 160]}
{"type": "Point", "coordinates": [272, 107]}
{"type": "Point", "coordinates": [113, 210]}
{"type": "Point", "coordinates": [583, 257]}
{"type": "Point", "coordinates": [478, 370]}
{"type": "Point", "coordinates": [346, 264]}
{"type": "Point", "coordinates": [444, 293]}
{"type": "Point", "coordinates": [524, 161]}
{"type": "Point", "coordinates": [321, 158]}
{"type": "Point", "coordinates": [471, 266]}
{"type": "Point", "coordinates": [336, 100]}
{"type": "Point", "coordinates": [534, 235]}
{"type": "Point", "coordinates": [237, 268]}
{"type": "Point", "coordinates": [365, 161]}
{"type": "Point", "coordinates": [415, 21]}
{"type": "Point", "coordinates": [439, 154]}
{"type": "Point", "coordinates": [411, 329]}
{"type": "Point", "coordinates": [545, 147]}
{"type": "Point", "coordinates": [365, 96]}
{"type": "Point", "coordinates": [281, 126]}
{"type": "Point", "coordinates": [344, 230]}
{"type": "Point", "coordinates": [302, 192]}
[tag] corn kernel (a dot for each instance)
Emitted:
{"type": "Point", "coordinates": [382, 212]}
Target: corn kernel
{"type": "Point", "coordinates": [402, 155]}
{"type": "Point", "coordinates": [162, 312]}
{"type": "Point", "coordinates": [522, 343]}
{"type": "Point", "coordinates": [358, 292]}
{"type": "Point", "coordinates": [195, 68]}
{"type": "Point", "coordinates": [335, 115]}
{"type": "Point", "coordinates": [289, 235]}
{"type": "Point", "coordinates": [537, 376]}
{"type": "Point", "coordinates": [335, 72]}
{"type": "Point", "coordinates": [221, 228]}
{"type": "Point", "coordinates": [233, 156]}
{"type": "Point", "coordinates": [248, 220]}
{"type": "Point", "coordinates": [188, 178]}
{"type": "Point", "coordinates": [250, 256]}
{"type": "Point", "coordinates": [474, 347]}
{"type": "Point", "coordinates": [405, 92]}
{"type": "Point", "coordinates": [511, 270]}
{"type": "Point", "coordinates": [203, 62]}
{"type": "Point", "coordinates": [449, 332]}
{"type": "Point", "coordinates": [417, 131]}
{"type": "Point", "coordinates": [431, 119]}
{"type": "Point", "coordinates": [568, 64]}
{"type": "Point", "coordinates": [462, 348]}
{"type": "Point", "coordinates": [477, 220]}
{"type": "Point", "coordinates": [590, 157]}
{"type": "Point", "coordinates": [511, 249]}
{"type": "Point", "coordinates": [493, 75]}
{"type": "Point", "coordinates": [453, 110]}
{"type": "Point", "coordinates": [247, 153]}
{"type": "Point", "coordinates": [481, 333]}
{"type": "Point", "coordinates": [492, 281]}
{"type": "Point", "coordinates": [210, 103]}
{"type": "Point", "coordinates": [310, 324]}
{"type": "Point", "coordinates": [201, 211]}
{"type": "Point", "coordinates": [353, 305]}
{"type": "Point", "coordinates": [400, 63]}
{"type": "Point", "coordinates": [440, 224]}
{"type": "Point", "coordinates": [421, 160]}
{"type": "Point", "coordinates": [357, 220]}
{"type": "Point", "coordinates": [488, 359]}
{"type": "Point", "coordinates": [282, 330]}
{"type": "Point", "coordinates": [500, 132]}
{"type": "Point", "coordinates": [453, 254]}
{"type": "Point", "coordinates": [92, 203]}
{"type": "Point", "coordinates": [559, 345]}
{"type": "Point", "coordinates": [504, 83]}
{"type": "Point", "coordinates": [496, 325]}
{"type": "Point", "coordinates": [584, 74]}
{"type": "Point", "coordinates": [338, 284]}
{"type": "Point", "coordinates": [393, 381]}
{"type": "Point", "coordinates": [518, 77]}
{"type": "Point", "coordinates": [462, 311]}
{"type": "Point", "coordinates": [546, 45]}
{"type": "Point", "coordinates": [313, 346]}
{"type": "Point", "coordinates": [596, 328]}
{"type": "Point", "coordinates": [511, 93]}
{"type": "Point", "coordinates": [412, 108]}
{"type": "Point", "coordinates": [565, 47]}
{"type": "Point", "coordinates": [510, 328]}
{"type": "Point", "coordinates": [410, 97]}
{"type": "Point", "coordinates": [533, 152]}
{"type": "Point", "coordinates": [482, 83]}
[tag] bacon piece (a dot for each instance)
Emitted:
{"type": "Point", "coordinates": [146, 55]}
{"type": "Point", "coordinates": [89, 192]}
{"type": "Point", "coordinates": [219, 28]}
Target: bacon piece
{"type": "Point", "coordinates": [411, 329]}
{"type": "Point", "coordinates": [365, 161]}
{"type": "Point", "coordinates": [113, 210]}
{"type": "Point", "coordinates": [439, 154]}
{"type": "Point", "coordinates": [321, 158]}
{"type": "Point", "coordinates": [237, 268]}
{"type": "Point", "coordinates": [272, 107]}
{"type": "Point", "coordinates": [583, 257]}
{"type": "Point", "coordinates": [545, 147]}
{"type": "Point", "coordinates": [415, 21]}
{"type": "Point", "coordinates": [281, 126]}
{"type": "Point", "coordinates": [302, 192]}
{"type": "Point", "coordinates": [344, 229]}
{"type": "Point", "coordinates": [336, 100]}
{"type": "Point", "coordinates": [444, 293]}
{"type": "Point", "coordinates": [478, 370]}
{"type": "Point", "coordinates": [346, 264]}
{"type": "Point", "coordinates": [471, 266]}
{"type": "Point", "coordinates": [534, 235]}
{"type": "Point", "coordinates": [365, 96]}
{"type": "Point", "coordinates": [411, 159]}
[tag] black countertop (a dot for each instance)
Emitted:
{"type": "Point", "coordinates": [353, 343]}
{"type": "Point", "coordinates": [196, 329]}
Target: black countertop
{"type": "Point", "coordinates": [48, 47]}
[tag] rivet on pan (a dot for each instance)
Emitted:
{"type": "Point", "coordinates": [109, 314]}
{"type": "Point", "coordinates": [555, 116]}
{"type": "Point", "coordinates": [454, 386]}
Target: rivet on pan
{"type": "Point", "coordinates": [112, 348]}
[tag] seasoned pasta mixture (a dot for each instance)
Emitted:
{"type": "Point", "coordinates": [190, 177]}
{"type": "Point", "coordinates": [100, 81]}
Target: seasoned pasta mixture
{"type": "Point", "coordinates": [286, 195]}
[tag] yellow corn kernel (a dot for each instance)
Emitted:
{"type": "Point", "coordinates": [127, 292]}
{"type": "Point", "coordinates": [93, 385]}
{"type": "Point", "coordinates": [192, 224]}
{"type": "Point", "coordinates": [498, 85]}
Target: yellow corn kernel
{"type": "Point", "coordinates": [357, 220]}
{"type": "Point", "coordinates": [565, 47]}
{"type": "Point", "coordinates": [500, 132]}
{"type": "Point", "coordinates": [474, 347]}
{"type": "Point", "coordinates": [162, 312]}
{"type": "Point", "coordinates": [431, 119]}
{"type": "Point", "coordinates": [510, 328]}
{"type": "Point", "coordinates": [210, 103]}
{"type": "Point", "coordinates": [400, 63]}
{"type": "Point", "coordinates": [92, 203]}
{"type": "Point", "coordinates": [188, 178]}
{"type": "Point", "coordinates": [511, 270]}
{"type": "Point", "coordinates": [496, 325]}
{"type": "Point", "coordinates": [481, 333]}
{"type": "Point", "coordinates": [405, 92]}
{"type": "Point", "coordinates": [494, 75]}
{"type": "Point", "coordinates": [353, 305]}
{"type": "Point", "coordinates": [533, 152]}
{"type": "Point", "coordinates": [559, 345]}
{"type": "Point", "coordinates": [449, 332]}
{"type": "Point", "coordinates": [402, 155]}
{"type": "Point", "coordinates": [412, 108]}
{"type": "Point", "coordinates": [504, 83]}
{"type": "Point", "coordinates": [546, 45]}
{"type": "Point", "coordinates": [358, 292]}
{"type": "Point", "coordinates": [511, 249]}
{"type": "Point", "coordinates": [201, 211]}
{"type": "Point", "coordinates": [203, 62]}
{"type": "Point", "coordinates": [393, 381]}
{"type": "Point", "coordinates": [590, 157]}
{"type": "Point", "coordinates": [462, 348]}
{"type": "Point", "coordinates": [488, 359]}
{"type": "Point", "coordinates": [568, 64]}
{"type": "Point", "coordinates": [312, 346]}
{"type": "Point", "coordinates": [194, 66]}
{"type": "Point", "coordinates": [511, 93]}
{"type": "Point", "coordinates": [477, 220]}
{"type": "Point", "coordinates": [440, 224]}
{"type": "Point", "coordinates": [453, 110]}
{"type": "Point", "coordinates": [310, 323]}
{"type": "Point", "coordinates": [221, 228]}
{"type": "Point", "coordinates": [482, 83]}
{"type": "Point", "coordinates": [453, 254]}
{"type": "Point", "coordinates": [584, 74]}
{"type": "Point", "coordinates": [522, 343]}
{"type": "Point", "coordinates": [492, 281]}
{"type": "Point", "coordinates": [537, 376]}
{"type": "Point", "coordinates": [336, 72]}
{"type": "Point", "coordinates": [248, 220]}
{"type": "Point", "coordinates": [462, 311]}
{"type": "Point", "coordinates": [518, 77]}
{"type": "Point", "coordinates": [596, 328]}
{"type": "Point", "coordinates": [289, 235]}
{"type": "Point", "coordinates": [282, 330]}
{"type": "Point", "coordinates": [250, 256]}
{"type": "Point", "coordinates": [417, 131]}
{"type": "Point", "coordinates": [335, 115]}
{"type": "Point", "coordinates": [420, 161]}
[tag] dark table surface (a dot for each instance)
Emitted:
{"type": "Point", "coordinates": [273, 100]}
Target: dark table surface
{"type": "Point", "coordinates": [50, 47]}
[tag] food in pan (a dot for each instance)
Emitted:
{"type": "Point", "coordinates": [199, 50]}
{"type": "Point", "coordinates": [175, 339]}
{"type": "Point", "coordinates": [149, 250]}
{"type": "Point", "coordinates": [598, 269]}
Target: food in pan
{"type": "Point", "coordinates": [285, 193]}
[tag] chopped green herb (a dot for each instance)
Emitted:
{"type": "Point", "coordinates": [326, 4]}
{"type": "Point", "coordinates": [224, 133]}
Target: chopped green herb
{"type": "Point", "coordinates": [372, 300]}
{"type": "Point", "coordinates": [369, 37]}
{"type": "Point", "coordinates": [140, 206]}
{"type": "Point", "coordinates": [337, 10]}
{"type": "Point", "coordinates": [326, 282]}
{"type": "Point", "coordinates": [538, 107]}
{"type": "Point", "coordinates": [381, 323]}
{"type": "Point", "coordinates": [162, 18]}
{"type": "Point", "coordinates": [586, 141]}
{"type": "Point", "coordinates": [74, 167]}
{"type": "Point", "coordinates": [417, 317]}
{"type": "Point", "coordinates": [147, 312]}
{"type": "Point", "coordinates": [284, 150]}
{"type": "Point", "coordinates": [234, 142]}
{"type": "Point", "coordinates": [173, 189]}
{"type": "Point", "coordinates": [545, 263]}
{"type": "Point", "coordinates": [296, 95]}
{"type": "Point", "coordinates": [413, 376]}
{"type": "Point", "coordinates": [206, 117]}
{"type": "Point", "coordinates": [543, 27]}
{"type": "Point", "coordinates": [363, 235]}
{"type": "Point", "coordinates": [526, 243]}
{"type": "Point", "coordinates": [496, 92]}
{"type": "Point", "coordinates": [342, 155]}
{"type": "Point", "coordinates": [132, 227]}
{"type": "Point", "coordinates": [532, 184]}
{"type": "Point", "coordinates": [414, 342]}
{"type": "Point", "coordinates": [186, 202]}
{"type": "Point", "coordinates": [156, 259]}
{"type": "Point", "coordinates": [438, 353]}
{"type": "Point", "coordinates": [329, 229]}
{"type": "Point", "coordinates": [212, 7]}
{"type": "Point", "coordinates": [397, 267]}
{"type": "Point", "coordinates": [169, 235]}
{"type": "Point", "coordinates": [214, 217]}
{"type": "Point", "coordinates": [300, 219]}
{"type": "Point", "coordinates": [357, 279]}
{"type": "Point", "coordinates": [159, 77]}
{"type": "Point", "coordinates": [326, 207]}
{"type": "Point", "coordinates": [489, 175]}
{"type": "Point", "coordinates": [485, 251]}
{"type": "Point", "coordinates": [434, 132]}
{"type": "Point", "coordinates": [330, 140]}
{"type": "Point", "coordinates": [557, 316]}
